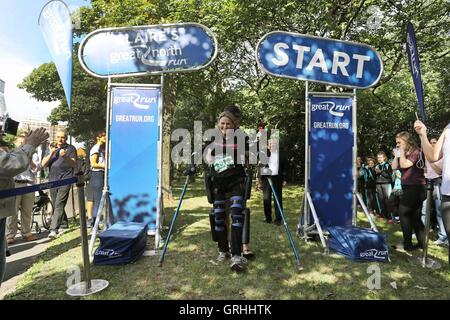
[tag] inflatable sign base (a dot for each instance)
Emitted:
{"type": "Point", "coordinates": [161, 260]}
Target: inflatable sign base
{"type": "Point", "coordinates": [124, 242]}
{"type": "Point", "coordinates": [359, 244]}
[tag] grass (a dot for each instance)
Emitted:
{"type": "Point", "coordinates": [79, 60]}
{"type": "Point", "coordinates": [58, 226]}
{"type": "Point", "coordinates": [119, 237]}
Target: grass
{"type": "Point", "coordinates": [191, 272]}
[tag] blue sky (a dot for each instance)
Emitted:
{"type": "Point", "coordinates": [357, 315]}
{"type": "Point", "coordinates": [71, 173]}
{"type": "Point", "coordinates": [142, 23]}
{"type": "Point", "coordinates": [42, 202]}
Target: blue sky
{"type": "Point", "coordinates": [22, 48]}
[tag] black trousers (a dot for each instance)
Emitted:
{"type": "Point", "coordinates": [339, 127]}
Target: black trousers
{"type": "Point", "coordinates": [267, 197]}
{"type": "Point", "coordinates": [383, 192]}
{"type": "Point", "coordinates": [445, 210]}
{"type": "Point", "coordinates": [371, 197]}
{"type": "Point", "coordinates": [393, 203]}
{"type": "Point", "coordinates": [59, 198]}
{"type": "Point", "coordinates": [410, 212]}
{"type": "Point", "coordinates": [229, 189]}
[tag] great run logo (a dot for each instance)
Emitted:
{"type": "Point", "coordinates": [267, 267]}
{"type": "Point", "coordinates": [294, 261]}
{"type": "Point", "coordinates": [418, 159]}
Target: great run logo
{"type": "Point", "coordinates": [331, 107]}
{"type": "Point", "coordinates": [374, 253]}
{"type": "Point", "coordinates": [136, 99]}
{"type": "Point", "coordinates": [107, 252]}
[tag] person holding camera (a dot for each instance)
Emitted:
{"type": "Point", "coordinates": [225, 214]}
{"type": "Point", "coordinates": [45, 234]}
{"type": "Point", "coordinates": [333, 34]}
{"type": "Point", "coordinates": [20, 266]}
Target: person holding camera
{"type": "Point", "coordinates": [61, 160]}
{"type": "Point", "coordinates": [407, 156]}
{"type": "Point", "coordinates": [11, 164]}
{"type": "Point", "coordinates": [24, 202]}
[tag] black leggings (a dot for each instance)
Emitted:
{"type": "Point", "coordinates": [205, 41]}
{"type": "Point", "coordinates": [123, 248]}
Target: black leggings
{"type": "Point", "coordinates": [393, 204]}
{"type": "Point", "coordinates": [410, 214]}
{"type": "Point", "coordinates": [383, 192]}
{"type": "Point", "coordinates": [236, 191]}
{"type": "Point", "coordinates": [445, 209]}
{"type": "Point", "coordinates": [371, 197]}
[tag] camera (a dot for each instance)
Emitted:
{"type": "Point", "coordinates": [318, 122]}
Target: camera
{"type": "Point", "coordinates": [8, 125]}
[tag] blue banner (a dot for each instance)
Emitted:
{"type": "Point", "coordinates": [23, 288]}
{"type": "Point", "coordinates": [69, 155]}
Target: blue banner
{"type": "Point", "coordinates": [147, 50]}
{"type": "Point", "coordinates": [329, 61]}
{"type": "Point", "coordinates": [331, 154]}
{"type": "Point", "coordinates": [414, 66]}
{"type": "Point", "coordinates": [56, 27]}
{"type": "Point", "coordinates": [133, 175]}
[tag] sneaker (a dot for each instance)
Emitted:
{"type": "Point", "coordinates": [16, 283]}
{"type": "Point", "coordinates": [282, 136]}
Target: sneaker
{"type": "Point", "coordinates": [61, 231]}
{"type": "Point", "coordinates": [441, 243]}
{"type": "Point", "coordinates": [238, 263]}
{"type": "Point", "coordinates": [277, 223]}
{"type": "Point", "coordinates": [223, 256]}
{"type": "Point", "coordinates": [53, 235]}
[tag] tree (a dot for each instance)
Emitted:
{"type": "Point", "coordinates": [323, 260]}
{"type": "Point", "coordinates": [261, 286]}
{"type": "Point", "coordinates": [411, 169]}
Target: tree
{"type": "Point", "coordinates": [234, 76]}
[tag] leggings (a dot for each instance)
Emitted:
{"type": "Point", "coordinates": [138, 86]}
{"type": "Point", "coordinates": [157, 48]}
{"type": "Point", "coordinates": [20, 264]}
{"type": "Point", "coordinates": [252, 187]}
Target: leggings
{"type": "Point", "coordinates": [96, 185]}
{"type": "Point", "coordinates": [383, 193]}
{"type": "Point", "coordinates": [371, 197]}
{"type": "Point", "coordinates": [410, 214]}
{"type": "Point", "coordinates": [445, 209]}
{"type": "Point", "coordinates": [394, 202]}
{"type": "Point", "coordinates": [236, 193]}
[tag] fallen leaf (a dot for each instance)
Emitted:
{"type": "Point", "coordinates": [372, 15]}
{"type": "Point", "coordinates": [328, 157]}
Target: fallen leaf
{"type": "Point", "coordinates": [394, 285]}
{"type": "Point", "coordinates": [213, 262]}
{"type": "Point", "coordinates": [419, 287]}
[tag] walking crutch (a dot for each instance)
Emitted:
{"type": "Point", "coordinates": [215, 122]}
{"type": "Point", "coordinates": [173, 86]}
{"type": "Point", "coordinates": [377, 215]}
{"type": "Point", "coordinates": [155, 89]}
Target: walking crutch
{"type": "Point", "coordinates": [189, 172]}
{"type": "Point", "coordinates": [267, 172]}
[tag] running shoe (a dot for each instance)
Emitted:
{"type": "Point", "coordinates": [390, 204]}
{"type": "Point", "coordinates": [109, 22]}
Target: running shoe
{"type": "Point", "coordinates": [238, 263]}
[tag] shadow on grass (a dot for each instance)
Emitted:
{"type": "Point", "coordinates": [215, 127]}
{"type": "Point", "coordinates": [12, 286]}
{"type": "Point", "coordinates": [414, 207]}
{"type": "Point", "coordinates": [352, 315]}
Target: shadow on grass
{"type": "Point", "coordinates": [190, 270]}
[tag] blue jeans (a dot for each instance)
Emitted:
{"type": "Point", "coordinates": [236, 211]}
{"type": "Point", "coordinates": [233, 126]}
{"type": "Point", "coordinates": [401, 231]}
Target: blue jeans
{"type": "Point", "coordinates": [437, 204]}
{"type": "Point", "coordinates": [2, 248]}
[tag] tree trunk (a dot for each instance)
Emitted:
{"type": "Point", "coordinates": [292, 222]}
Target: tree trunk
{"type": "Point", "coordinates": [169, 108]}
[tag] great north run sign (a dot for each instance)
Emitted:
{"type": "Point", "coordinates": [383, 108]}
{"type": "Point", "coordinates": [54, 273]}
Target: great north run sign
{"type": "Point", "coordinates": [303, 57]}
{"type": "Point", "coordinates": [130, 51]}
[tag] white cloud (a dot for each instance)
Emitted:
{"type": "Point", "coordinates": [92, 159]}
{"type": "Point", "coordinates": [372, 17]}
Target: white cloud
{"type": "Point", "coordinates": [19, 103]}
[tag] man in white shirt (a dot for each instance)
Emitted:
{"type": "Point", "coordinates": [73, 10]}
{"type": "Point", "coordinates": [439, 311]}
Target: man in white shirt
{"type": "Point", "coordinates": [277, 168]}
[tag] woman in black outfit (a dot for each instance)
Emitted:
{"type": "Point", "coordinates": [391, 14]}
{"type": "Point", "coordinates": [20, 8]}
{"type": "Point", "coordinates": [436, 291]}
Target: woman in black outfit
{"type": "Point", "coordinates": [407, 154]}
{"type": "Point", "coordinates": [226, 159]}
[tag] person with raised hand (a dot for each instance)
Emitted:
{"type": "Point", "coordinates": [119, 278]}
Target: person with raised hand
{"type": "Point", "coordinates": [11, 164]}
{"type": "Point", "coordinates": [441, 150]}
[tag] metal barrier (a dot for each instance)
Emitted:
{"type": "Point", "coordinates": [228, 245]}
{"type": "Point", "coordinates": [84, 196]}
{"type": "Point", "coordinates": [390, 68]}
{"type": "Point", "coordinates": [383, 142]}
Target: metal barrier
{"type": "Point", "coordinates": [88, 286]}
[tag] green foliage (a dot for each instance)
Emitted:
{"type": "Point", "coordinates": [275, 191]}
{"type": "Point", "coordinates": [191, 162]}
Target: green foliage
{"type": "Point", "coordinates": [234, 76]}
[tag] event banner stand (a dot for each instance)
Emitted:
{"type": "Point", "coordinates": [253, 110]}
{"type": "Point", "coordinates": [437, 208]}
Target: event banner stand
{"type": "Point", "coordinates": [330, 164]}
{"type": "Point", "coordinates": [134, 145]}
{"type": "Point", "coordinates": [134, 148]}
{"type": "Point", "coordinates": [330, 194]}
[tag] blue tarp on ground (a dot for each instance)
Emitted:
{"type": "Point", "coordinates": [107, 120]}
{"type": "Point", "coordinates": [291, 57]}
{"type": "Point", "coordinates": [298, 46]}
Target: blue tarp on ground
{"type": "Point", "coordinates": [358, 244]}
{"type": "Point", "coordinates": [124, 242]}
